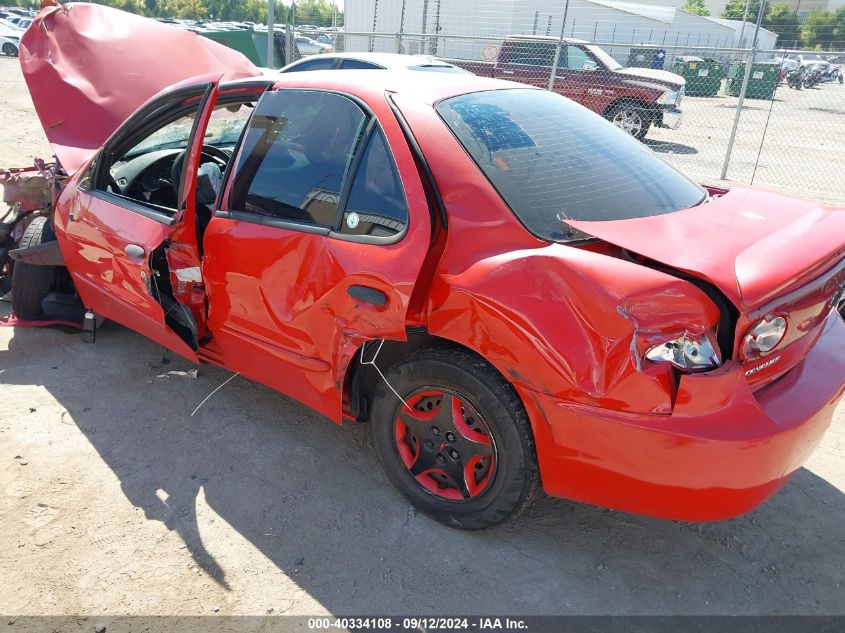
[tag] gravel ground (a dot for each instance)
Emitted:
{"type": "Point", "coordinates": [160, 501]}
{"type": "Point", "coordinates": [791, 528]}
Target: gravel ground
{"type": "Point", "coordinates": [114, 500]}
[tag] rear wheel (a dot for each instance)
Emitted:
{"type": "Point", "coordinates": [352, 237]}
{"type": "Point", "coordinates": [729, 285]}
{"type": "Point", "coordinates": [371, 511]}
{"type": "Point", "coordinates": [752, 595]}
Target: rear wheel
{"type": "Point", "coordinates": [631, 118]}
{"type": "Point", "coordinates": [31, 284]}
{"type": "Point", "coordinates": [10, 49]}
{"type": "Point", "coordinates": [462, 449]}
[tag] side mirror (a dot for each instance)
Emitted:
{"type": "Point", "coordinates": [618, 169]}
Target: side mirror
{"type": "Point", "coordinates": [589, 64]}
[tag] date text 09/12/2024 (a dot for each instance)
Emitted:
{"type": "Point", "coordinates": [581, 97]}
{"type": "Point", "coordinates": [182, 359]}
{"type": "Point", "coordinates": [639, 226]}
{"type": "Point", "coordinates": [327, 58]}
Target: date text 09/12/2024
{"type": "Point", "coordinates": [418, 623]}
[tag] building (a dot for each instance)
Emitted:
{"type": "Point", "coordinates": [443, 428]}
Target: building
{"type": "Point", "coordinates": [766, 39]}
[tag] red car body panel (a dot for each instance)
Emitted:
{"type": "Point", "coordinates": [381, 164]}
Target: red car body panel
{"type": "Point", "coordinates": [749, 226]}
{"type": "Point", "coordinates": [567, 325]}
{"type": "Point", "coordinates": [721, 453]}
{"type": "Point", "coordinates": [89, 67]}
{"type": "Point", "coordinates": [300, 341]}
{"type": "Point", "coordinates": [93, 235]}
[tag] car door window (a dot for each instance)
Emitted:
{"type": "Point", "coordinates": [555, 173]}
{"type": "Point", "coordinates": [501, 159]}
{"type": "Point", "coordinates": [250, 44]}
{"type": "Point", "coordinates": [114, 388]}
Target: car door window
{"type": "Point", "coordinates": [324, 63]}
{"type": "Point", "coordinates": [295, 154]}
{"type": "Point", "coordinates": [531, 54]}
{"type": "Point", "coordinates": [376, 205]}
{"type": "Point", "coordinates": [145, 167]}
{"type": "Point", "coordinates": [357, 64]}
{"type": "Point", "coordinates": [576, 58]}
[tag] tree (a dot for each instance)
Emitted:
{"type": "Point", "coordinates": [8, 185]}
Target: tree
{"type": "Point", "coordinates": [318, 12]}
{"type": "Point", "coordinates": [781, 20]}
{"type": "Point", "coordinates": [696, 7]}
{"type": "Point", "coordinates": [824, 29]}
{"type": "Point", "coordinates": [735, 9]}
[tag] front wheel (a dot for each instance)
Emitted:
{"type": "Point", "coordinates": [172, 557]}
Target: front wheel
{"type": "Point", "coordinates": [31, 283]}
{"type": "Point", "coordinates": [630, 118]}
{"type": "Point", "coordinates": [10, 49]}
{"type": "Point", "coordinates": [461, 448]}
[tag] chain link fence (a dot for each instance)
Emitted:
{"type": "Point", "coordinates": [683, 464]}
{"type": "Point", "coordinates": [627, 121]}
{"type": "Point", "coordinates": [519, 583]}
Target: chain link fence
{"type": "Point", "coordinates": [622, 60]}
{"type": "Point", "coordinates": [788, 134]}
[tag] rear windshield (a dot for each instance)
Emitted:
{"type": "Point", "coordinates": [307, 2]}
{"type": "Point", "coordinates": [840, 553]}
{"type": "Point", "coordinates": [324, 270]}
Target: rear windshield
{"type": "Point", "coordinates": [439, 68]}
{"type": "Point", "coordinates": [553, 160]}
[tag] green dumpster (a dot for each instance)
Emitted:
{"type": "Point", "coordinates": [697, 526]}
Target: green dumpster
{"type": "Point", "coordinates": [703, 76]}
{"type": "Point", "coordinates": [761, 83]}
{"type": "Point", "coordinates": [253, 44]}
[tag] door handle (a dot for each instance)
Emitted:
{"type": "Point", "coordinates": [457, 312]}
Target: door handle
{"type": "Point", "coordinates": [507, 72]}
{"type": "Point", "coordinates": [366, 294]}
{"type": "Point", "coordinates": [134, 251]}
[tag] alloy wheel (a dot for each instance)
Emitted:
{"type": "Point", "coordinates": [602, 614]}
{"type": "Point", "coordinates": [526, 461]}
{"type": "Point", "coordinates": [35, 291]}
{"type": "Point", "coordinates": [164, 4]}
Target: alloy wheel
{"type": "Point", "coordinates": [629, 120]}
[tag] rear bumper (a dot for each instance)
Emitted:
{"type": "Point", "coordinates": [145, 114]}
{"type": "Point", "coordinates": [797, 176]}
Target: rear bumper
{"type": "Point", "coordinates": [722, 452]}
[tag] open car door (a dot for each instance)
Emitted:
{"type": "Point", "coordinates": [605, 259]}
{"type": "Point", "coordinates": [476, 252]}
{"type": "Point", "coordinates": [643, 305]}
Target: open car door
{"type": "Point", "coordinates": [128, 229]}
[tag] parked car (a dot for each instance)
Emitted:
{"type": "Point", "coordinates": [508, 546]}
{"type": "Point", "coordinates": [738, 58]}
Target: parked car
{"type": "Point", "coordinates": [513, 292]}
{"type": "Point", "coordinates": [801, 60]}
{"type": "Point", "coordinates": [9, 44]}
{"type": "Point", "coordinates": [372, 61]}
{"type": "Point", "coordinates": [633, 99]}
{"type": "Point", "coordinates": [307, 46]}
{"type": "Point", "coordinates": [20, 22]}
{"type": "Point", "coordinates": [10, 27]}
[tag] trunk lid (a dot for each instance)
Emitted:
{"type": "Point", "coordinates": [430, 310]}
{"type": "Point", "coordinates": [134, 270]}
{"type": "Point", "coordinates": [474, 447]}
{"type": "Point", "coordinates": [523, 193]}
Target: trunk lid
{"type": "Point", "coordinates": [752, 244]}
{"type": "Point", "coordinates": [89, 67]}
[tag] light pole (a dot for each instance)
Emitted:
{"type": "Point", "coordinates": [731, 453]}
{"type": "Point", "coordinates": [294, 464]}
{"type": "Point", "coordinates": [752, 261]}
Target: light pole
{"type": "Point", "coordinates": [271, 62]}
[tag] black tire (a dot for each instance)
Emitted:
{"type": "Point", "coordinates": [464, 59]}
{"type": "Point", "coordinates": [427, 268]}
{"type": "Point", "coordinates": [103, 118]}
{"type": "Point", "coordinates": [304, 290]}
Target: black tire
{"type": "Point", "coordinates": [10, 49]}
{"type": "Point", "coordinates": [630, 117]}
{"type": "Point", "coordinates": [30, 284]}
{"type": "Point", "coordinates": [511, 486]}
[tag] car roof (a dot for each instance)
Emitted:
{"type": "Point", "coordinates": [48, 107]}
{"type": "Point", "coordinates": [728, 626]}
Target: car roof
{"type": "Point", "coordinates": [545, 38]}
{"type": "Point", "coordinates": [427, 88]}
{"type": "Point", "coordinates": [386, 60]}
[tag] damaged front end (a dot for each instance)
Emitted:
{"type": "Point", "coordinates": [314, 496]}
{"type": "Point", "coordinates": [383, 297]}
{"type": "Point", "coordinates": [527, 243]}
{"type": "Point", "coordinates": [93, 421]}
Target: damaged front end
{"type": "Point", "coordinates": [28, 192]}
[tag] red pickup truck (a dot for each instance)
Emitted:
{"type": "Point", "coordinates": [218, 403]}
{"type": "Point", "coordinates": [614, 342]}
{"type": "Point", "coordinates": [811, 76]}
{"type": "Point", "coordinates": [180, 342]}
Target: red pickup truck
{"type": "Point", "coordinates": [632, 98]}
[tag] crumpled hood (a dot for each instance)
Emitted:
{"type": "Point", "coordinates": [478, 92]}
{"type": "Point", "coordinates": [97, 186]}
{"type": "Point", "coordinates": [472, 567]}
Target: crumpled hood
{"type": "Point", "coordinates": [89, 67]}
{"type": "Point", "coordinates": [653, 74]}
{"type": "Point", "coordinates": [752, 244]}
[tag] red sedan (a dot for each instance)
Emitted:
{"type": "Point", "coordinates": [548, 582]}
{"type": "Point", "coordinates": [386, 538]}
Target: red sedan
{"type": "Point", "coordinates": [512, 291]}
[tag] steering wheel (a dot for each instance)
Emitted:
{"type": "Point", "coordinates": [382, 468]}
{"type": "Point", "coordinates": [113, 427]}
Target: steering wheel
{"type": "Point", "coordinates": [214, 153]}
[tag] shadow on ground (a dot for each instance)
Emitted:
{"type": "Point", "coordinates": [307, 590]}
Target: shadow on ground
{"type": "Point", "coordinates": [669, 147]}
{"type": "Point", "coordinates": [312, 498]}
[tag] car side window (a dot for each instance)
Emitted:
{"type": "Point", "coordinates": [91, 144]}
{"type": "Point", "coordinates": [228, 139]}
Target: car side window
{"type": "Point", "coordinates": [357, 64]}
{"type": "Point", "coordinates": [376, 205]}
{"type": "Point", "coordinates": [324, 63]}
{"type": "Point", "coordinates": [576, 58]}
{"type": "Point", "coordinates": [530, 54]}
{"type": "Point", "coordinates": [295, 154]}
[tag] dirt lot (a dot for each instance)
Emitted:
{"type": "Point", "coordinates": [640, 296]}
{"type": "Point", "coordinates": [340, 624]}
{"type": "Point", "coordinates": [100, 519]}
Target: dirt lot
{"type": "Point", "coordinates": [792, 143]}
{"type": "Point", "coordinates": [114, 500]}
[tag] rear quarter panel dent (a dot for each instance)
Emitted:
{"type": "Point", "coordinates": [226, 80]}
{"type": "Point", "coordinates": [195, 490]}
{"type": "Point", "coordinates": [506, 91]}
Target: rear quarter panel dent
{"type": "Point", "coordinates": [570, 323]}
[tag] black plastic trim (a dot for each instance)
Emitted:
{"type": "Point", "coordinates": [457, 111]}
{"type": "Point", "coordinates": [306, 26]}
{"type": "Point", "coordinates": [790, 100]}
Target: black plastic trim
{"type": "Point", "coordinates": [366, 294]}
{"type": "Point", "coordinates": [164, 216]}
{"type": "Point", "coordinates": [278, 223]}
{"type": "Point", "coordinates": [417, 152]}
